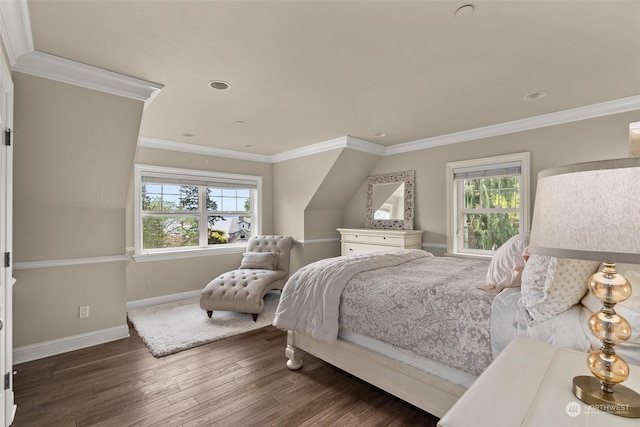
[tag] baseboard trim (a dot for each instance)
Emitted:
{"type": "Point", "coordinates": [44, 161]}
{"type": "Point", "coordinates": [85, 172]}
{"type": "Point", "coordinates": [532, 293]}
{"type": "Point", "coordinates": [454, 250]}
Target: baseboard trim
{"type": "Point", "coordinates": [62, 345]}
{"type": "Point", "coordinates": [164, 299]}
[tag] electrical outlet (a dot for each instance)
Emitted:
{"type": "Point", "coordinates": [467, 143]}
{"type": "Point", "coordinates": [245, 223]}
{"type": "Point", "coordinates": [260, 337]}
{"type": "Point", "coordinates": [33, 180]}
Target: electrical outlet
{"type": "Point", "coordinates": [83, 312]}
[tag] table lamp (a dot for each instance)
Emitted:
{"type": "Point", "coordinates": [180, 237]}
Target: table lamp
{"type": "Point", "coordinates": [591, 211]}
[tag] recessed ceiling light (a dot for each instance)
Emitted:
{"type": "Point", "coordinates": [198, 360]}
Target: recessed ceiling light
{"type": "Point", "coordinates": [465, 10]}
{"type": "Point", "coordinates": [239, 122]}
{"type": "Point", "coordinates": [219, 85]}
{"type": "Point", "coordinates": [535, 95]}
{"type": "Point", "coordinates": [248, 146]}
{"type": "Point", "coordinates": [380, 135]}
{"type": "Point", "coordinates": [188, 135]}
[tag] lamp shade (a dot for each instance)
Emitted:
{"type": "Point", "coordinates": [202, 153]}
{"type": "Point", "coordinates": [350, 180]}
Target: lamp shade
{"type": "Point", "coordinates": [589, 211]}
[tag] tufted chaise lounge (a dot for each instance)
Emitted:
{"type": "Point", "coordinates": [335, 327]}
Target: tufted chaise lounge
{"type": "Point", "coordinates": [264, 267]}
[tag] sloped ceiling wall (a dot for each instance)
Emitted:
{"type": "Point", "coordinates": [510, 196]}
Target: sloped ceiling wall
{"type": "Point", "coordinates": [310, 194]}
{"type": "Point", "coordinates": [347, 174]}
{"type": "Point", "coordinates": [73, 155]}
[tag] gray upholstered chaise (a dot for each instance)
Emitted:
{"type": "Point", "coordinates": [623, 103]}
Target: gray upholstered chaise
{"type": "Point", "coordinates": [265, 267]}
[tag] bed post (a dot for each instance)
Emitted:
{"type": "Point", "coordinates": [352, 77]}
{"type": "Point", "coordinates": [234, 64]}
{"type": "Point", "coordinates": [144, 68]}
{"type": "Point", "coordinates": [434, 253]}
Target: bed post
{"type": "Point", "coordinates": [293, 353]}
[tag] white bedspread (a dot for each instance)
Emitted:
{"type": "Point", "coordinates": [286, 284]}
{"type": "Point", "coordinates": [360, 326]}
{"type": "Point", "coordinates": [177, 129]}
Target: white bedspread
{"type": "Point", "coordinates": [310, 299]}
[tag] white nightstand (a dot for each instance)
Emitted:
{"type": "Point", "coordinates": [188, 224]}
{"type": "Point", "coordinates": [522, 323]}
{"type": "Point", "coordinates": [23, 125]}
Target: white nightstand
{"type": "Point", "coordinates": [529, 384]}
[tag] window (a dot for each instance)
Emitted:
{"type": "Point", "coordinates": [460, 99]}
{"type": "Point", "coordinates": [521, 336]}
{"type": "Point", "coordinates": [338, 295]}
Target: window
{"type": "Point", "coordinates": [487, 203]}
{"type": "Point", "coordinates": [181, 212]}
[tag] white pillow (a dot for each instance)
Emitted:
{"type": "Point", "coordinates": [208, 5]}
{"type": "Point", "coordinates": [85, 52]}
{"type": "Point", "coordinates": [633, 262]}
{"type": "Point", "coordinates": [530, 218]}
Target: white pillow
{"type": "Point", "coordinates": [551, 285]}
{"type": "Point", "coordinates": [259, 260]}
{"type": "Point", "coordinates": [506, 266]}
{"type": "Point", "coordinates": [629, 309]}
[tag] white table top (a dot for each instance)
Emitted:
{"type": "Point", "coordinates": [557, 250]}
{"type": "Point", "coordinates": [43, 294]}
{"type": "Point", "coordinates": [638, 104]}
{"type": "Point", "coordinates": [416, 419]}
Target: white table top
{"type": "Point", "coordinates": [530, 384]}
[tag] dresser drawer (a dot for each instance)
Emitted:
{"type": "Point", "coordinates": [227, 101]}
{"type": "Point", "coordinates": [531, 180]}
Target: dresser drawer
{"type": "Point", "coordinates": [356, 238]}
{"type": "Point", "coordinates": [387, 240]}
{"type": "Point", "coordinates": [349, 248]}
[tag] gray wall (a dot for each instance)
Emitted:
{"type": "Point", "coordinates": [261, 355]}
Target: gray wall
{"type": "Point", "coordinates": [72, 162]}
{"type": "Point", "coordinates": [581, 141]}
{"type": "Point", "coordinates": [74, 158]}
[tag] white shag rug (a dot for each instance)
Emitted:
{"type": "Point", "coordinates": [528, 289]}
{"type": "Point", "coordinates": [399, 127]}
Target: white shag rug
{"type": "Point", "coordinates": [173, 327]}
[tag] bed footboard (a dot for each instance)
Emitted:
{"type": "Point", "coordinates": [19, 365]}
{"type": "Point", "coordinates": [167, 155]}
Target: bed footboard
{"type": "Point", "coordinates": [422, 389]}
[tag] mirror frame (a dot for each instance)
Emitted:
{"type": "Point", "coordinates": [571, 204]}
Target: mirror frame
{"type": "Point", "coordinates": [408, 177]}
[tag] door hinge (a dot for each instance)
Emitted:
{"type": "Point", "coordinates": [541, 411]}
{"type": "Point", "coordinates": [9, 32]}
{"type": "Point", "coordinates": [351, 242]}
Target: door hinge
{"type": "Point", "coordinates": [7, 259]}
{"type": "Point", "coordinates": [7, 381]}
{"type": "Point", "coordinates": [7, 137]}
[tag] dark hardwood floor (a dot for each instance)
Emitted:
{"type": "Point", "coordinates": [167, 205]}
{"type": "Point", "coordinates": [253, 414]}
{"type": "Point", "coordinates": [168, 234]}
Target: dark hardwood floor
{"type": "Point", "coordinates": [238, 381]}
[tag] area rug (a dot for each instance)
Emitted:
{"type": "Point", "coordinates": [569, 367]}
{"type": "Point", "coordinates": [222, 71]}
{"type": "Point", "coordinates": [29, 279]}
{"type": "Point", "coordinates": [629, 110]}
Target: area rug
{"type": "Point", "coordinates": [174, 327]}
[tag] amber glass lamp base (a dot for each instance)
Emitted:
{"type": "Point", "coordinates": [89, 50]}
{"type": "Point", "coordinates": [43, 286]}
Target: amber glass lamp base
{"type": "Point", "coordinates": [623, 402]}
{"type": "Point", "coordinates": [604, 391]}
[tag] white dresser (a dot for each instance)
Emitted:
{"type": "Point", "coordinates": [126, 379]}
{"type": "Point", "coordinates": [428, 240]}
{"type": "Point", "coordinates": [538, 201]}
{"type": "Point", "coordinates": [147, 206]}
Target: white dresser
{"type": "Point", "coordinates": [362, 240]}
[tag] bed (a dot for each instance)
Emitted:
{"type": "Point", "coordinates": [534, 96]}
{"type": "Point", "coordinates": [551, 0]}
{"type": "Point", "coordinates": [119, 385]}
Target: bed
{"type": "Point", "coordinates": [423, 328]}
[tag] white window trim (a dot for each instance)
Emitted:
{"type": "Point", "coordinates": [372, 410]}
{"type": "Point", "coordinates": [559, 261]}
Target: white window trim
{"type": "Point", "coordinates": [452, 200]}
{"type": "Point", "coordinates": [176, 253]}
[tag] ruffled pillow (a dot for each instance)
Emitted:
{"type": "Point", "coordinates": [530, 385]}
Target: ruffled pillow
{"type": "Point", "coordinates": [550, 286]}
{"type": "Point", "coordinates": [506, 266]}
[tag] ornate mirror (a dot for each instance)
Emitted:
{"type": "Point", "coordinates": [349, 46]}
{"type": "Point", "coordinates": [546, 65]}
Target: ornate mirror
{"type": "Point", "coordinates": [390, 200]}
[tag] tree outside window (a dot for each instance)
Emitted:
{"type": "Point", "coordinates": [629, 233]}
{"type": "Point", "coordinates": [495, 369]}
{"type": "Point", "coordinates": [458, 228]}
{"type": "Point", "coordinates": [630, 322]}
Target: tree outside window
{"type": "Point", "coordinates": [487, 203]}
{"type": "Point", "coordinates": [491, 211]}
{"type": "Point", "coordinates": [179, 210]}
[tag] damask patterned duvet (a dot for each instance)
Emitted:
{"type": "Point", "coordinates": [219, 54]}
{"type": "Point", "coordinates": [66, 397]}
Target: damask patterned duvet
{"type": "Point", "coordinates": [429, 306]}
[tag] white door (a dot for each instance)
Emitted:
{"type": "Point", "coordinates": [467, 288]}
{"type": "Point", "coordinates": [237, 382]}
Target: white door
{"type": "Point", "coordinates": [7, 407]}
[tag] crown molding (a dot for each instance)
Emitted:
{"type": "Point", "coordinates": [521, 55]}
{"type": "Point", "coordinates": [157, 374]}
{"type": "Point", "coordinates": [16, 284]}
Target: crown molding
{"type": "Point", "coordinates": [163, 144]}
{"type": "Point", "coordinates": [341, 142]}
{"type": "Point", "coordinates": [15, 28]}
{"type": "Point", "coordinates": [365, 146]}
{"type": "Point", "coordinates": [616, 106]}
{"type": "Point", "coordinates": [53, 67]}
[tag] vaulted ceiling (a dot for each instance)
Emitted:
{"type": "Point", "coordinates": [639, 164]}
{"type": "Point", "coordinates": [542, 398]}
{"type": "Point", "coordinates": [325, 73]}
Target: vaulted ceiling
{"type": "Point", "coordinates": [388, 72]}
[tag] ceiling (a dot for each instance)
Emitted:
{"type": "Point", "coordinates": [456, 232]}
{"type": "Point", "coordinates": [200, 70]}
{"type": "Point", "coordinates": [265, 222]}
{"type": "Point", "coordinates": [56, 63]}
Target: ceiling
{"type": "Point", "coordinates": [305, 72]}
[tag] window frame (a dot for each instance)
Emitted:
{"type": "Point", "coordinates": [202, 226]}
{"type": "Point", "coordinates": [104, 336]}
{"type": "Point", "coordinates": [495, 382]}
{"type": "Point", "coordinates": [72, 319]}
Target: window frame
{"type": "Point", "coordinates": [206, 178]}
{"type": "Point", "coordinates": [455, 203]}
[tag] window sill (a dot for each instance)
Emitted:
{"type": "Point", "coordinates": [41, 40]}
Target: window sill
{"type": "Point", "coordinates": [191, 253]}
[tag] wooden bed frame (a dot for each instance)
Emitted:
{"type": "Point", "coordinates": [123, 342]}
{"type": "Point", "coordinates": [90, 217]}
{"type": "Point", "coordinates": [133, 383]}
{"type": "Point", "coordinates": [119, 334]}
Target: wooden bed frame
{"type": "Point", "coordinates": [426, 391]}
